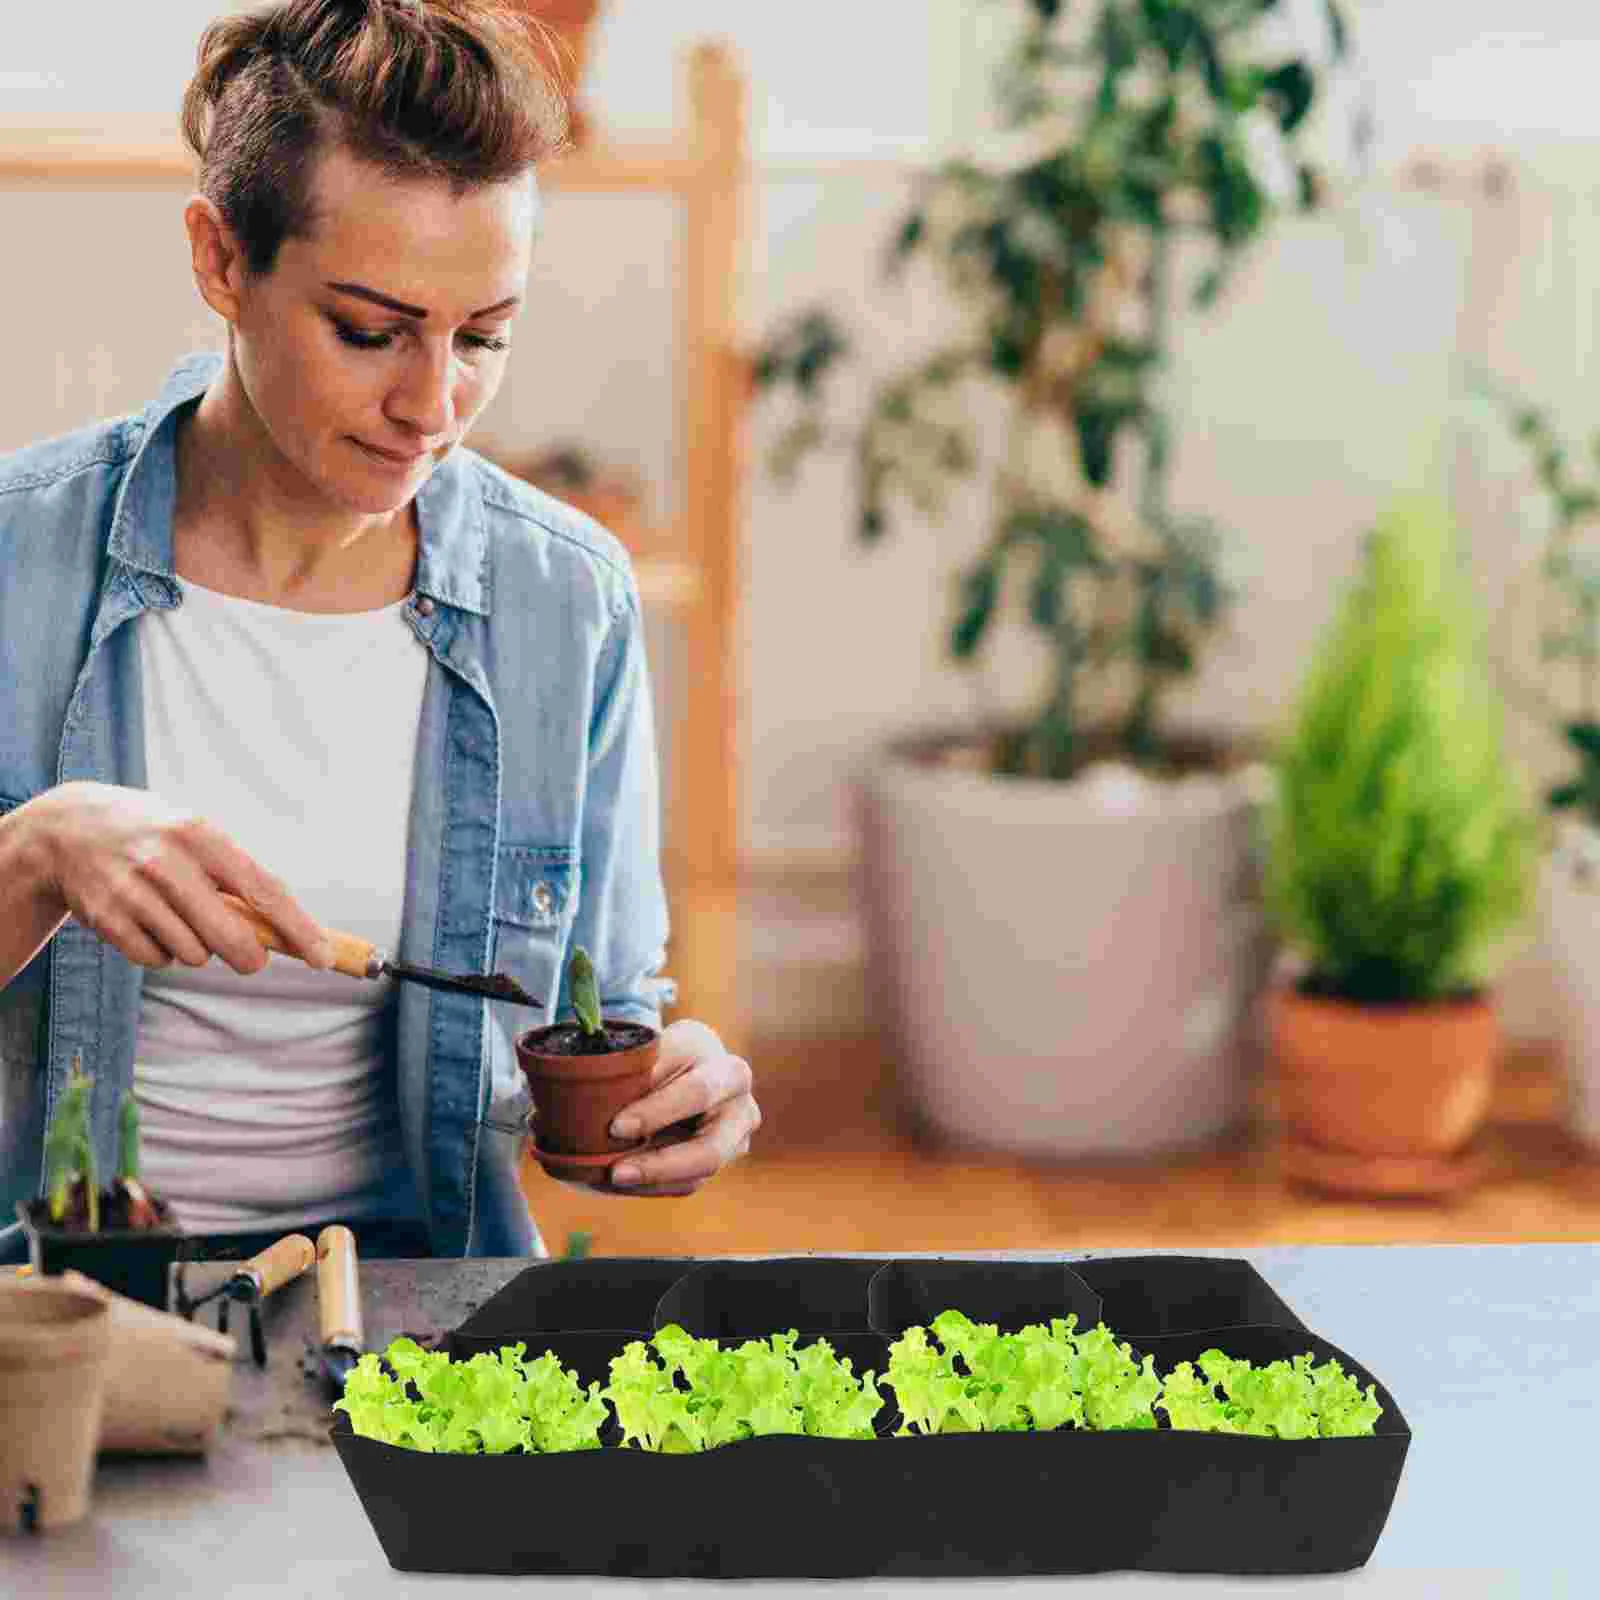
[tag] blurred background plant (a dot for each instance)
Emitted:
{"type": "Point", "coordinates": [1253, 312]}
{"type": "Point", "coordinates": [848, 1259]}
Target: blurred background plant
{"type": "Point", "coordinates": [1400, 846]}
{"type": "Point", "coordinates": [1146, 125]}
{"type": "Point", "coordinates": [1569, 644]}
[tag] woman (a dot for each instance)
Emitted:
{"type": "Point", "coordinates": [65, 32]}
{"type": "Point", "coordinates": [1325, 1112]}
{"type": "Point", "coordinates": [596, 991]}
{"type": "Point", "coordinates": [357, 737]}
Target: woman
{"type": "Point", "coordinates": [282, 636]}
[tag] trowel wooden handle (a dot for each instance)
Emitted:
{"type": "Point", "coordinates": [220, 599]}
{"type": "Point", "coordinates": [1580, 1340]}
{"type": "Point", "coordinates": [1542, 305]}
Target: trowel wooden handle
{"type": "Point", "coordinates": [280, 1263]}
{"type": "Point", "coordinates": [351, 956]}
{"type": "Point", "coordinates": [338, 1288]}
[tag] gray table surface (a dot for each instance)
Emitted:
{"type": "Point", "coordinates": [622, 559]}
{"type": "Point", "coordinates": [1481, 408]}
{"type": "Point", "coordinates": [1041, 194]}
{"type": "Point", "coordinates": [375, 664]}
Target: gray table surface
{"type": "Point", "coordinates": [1492, 1352]}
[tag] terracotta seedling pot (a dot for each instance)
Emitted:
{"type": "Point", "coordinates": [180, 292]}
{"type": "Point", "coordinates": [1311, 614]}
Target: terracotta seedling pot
{"type": "Point", "coordinates": [577, 1091]}
{"type": "Point", "coordinates": [55, 1347]}
{"type": "Point", "coordinates": [1383, 1099]}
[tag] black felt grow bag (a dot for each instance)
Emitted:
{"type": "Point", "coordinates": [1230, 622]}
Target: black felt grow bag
{"type": "Point", "coordinates": [964, 1505]}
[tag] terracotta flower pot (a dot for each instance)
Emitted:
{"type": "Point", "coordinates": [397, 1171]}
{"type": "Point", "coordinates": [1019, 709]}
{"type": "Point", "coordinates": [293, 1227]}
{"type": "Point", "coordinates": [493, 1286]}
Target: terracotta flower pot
{"type": "Point", "coordinates": [55, 1349]}
{"type": "Point", "coordinates": [578, 1091]}
{"type": "Point", "coordinates": [1382, 1099]}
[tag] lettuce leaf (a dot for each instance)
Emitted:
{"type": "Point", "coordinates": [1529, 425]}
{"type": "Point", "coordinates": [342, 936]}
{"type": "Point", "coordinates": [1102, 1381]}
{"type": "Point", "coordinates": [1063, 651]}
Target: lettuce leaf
{"type": "Point", "coordinates": [703, 1394]}
{"type": "Point", "coordinates": [1043, 1377]}
{"type": "Point", "coordinates": [488, 1404]}
{"type": "Point", "coordinates": [1283, 1399]}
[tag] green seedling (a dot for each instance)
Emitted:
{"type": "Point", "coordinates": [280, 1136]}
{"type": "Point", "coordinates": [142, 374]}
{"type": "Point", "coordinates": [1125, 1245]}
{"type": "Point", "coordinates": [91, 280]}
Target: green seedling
{"type": "Point", "coordinates": [128, 1140]}
{"type": "Point", "coordinates": [585, 994]}
{"type": "Point", "coordinates": [69, 1149]}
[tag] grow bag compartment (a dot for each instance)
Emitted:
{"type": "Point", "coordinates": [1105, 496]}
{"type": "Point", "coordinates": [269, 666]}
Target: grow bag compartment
{"type": "Point", "coordinates": [596, 1305]}
{"type": "Point", "coordinates": [959, 1505]}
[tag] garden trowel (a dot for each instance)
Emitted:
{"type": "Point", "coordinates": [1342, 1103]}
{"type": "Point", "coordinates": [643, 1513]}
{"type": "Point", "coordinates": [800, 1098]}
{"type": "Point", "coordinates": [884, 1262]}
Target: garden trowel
{"type": "Point", "coordinates": [359, 958]}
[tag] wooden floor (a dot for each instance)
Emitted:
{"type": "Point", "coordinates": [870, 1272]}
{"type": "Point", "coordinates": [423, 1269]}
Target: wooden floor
{"type": "Point", "coordinates": [836, 1168]}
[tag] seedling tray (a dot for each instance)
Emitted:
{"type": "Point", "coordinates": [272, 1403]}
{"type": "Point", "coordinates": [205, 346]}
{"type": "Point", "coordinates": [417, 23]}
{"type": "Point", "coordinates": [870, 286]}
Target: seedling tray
{"type": "Point", "coordinates": [963, 1505]}
{"type": "Point", "coordinates": [134, 1263]}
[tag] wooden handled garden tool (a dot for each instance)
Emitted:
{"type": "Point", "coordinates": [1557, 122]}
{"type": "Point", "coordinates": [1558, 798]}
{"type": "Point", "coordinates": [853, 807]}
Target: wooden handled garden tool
{"type": "Point", "coordinates": [338, 1305]}
{"type": "Point", "coordinates": [252, 1281]}
{"type": "Point", "coordinates": [357, 958]}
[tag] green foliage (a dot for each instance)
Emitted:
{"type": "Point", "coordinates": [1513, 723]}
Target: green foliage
{"type": "Point", "coordinates": [730, 1392]}
{"type": "Point", "coordinates": [1572, 580]}
{"type": "Point", "coordinates": [678, 1395]}
{"type": "Point", "coordinates": [977, 1379]}
{"type": "Point", "coordinates": [1282, 1400]}
{"type": "Point", "coordinates": [1064, 261]}
{"type": "Point", "coordinates": [486, 1405]}
{"type": "Point", "coordinates": [128, 1138]}
{"type": "Point", "coordinates": [1400, 847]}
{"type": "Point", "coordinates": [585, 995]}
{"type": "Point", "coordinates": [69, 1149]}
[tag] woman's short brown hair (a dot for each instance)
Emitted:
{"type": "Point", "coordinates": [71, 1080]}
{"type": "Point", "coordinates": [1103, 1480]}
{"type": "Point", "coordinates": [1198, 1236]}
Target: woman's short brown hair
{"type": "Point", "coordinates": [457, 90]}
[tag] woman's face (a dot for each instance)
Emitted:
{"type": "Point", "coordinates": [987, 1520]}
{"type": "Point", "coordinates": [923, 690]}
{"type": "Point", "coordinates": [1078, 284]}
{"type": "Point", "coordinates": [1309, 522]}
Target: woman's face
{"type": "Point", "coordinates": [370, 348]}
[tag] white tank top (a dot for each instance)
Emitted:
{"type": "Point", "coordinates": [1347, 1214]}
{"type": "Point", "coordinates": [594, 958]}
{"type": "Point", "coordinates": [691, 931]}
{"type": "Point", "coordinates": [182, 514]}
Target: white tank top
{"type": "Point", "coordinates": [268, 1101]}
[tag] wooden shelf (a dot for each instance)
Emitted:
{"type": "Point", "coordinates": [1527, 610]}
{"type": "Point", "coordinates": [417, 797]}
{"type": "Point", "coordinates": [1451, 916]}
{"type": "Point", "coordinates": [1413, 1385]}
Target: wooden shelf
{"type": "Point", "coordinates": [136, 152]}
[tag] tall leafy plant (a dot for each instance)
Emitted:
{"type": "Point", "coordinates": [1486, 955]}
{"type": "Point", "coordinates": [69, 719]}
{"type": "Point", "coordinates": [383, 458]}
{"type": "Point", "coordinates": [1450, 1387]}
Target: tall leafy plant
{"type": "Point", "coordinates": [1400, 846]}
{"type": "Point", "coordinates": [1570, 574]}
{"type": "Point", "coordinates": [1150, 124]}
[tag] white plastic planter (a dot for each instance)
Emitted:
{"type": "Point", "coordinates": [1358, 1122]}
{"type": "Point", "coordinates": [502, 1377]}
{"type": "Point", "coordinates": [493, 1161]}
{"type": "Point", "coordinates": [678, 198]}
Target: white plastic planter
{"type": "Point", "coordinates": [1571, 903]}
{"type": "Point", "coordinates": [1066, 969]}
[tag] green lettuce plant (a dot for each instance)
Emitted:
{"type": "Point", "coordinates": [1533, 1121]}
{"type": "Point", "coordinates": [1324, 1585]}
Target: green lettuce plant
{"type": "Point", "coordinates": [978, 1379]}
{"type": "Point", "coordinates": [757, 1387]}
{"type": "Point", "coordinates": [1400, 846]}
{"type": "Point", "coordinates": [486, 1405]}
{"type": "Point", "coordinates": [1283, 1400]}
{"type": "Point", "coordinates": [676, 1394]}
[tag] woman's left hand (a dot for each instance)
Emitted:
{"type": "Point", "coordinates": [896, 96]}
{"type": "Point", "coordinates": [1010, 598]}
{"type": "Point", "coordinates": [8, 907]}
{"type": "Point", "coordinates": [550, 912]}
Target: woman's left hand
{"type": "Point", "coordinates": [696, 1083]}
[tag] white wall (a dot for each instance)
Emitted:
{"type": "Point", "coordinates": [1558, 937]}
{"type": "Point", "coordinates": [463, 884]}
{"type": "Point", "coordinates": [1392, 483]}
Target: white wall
{"type": "Point", "coordinates": [1302, 403]}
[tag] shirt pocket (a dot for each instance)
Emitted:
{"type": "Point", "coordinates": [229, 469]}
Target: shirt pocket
{"type": "Point", "coordinates": [535, 905]}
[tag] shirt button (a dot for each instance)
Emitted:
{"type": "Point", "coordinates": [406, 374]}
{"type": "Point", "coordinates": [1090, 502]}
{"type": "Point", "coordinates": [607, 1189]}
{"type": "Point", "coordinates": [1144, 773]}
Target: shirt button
{"type": "Point", "coordinates": [425, 607]}
{"type": "Point", "coordinates": [542, 898]}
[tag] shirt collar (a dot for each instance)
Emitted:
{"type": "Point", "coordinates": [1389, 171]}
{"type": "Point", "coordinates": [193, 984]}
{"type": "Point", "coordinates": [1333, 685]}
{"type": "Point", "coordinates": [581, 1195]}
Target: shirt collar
{"type": "Point", "coordinates": [453, 547]}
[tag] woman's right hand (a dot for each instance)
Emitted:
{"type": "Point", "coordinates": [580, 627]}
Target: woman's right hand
{"type": "Point", "coordinates": [145, 877]}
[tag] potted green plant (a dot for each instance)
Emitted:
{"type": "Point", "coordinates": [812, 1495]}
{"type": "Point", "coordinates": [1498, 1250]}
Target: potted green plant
{"type": "Point", "coordinates": [1086, 862]}
{"type": "Point", "coordinates": [581, 1074]}
{"type": "Point", "coordinates": [1400, 854]}
{"type": "Point", "coordinates": [1567, 703]}
{"type": "Point", "coordinates": [119, 1234]}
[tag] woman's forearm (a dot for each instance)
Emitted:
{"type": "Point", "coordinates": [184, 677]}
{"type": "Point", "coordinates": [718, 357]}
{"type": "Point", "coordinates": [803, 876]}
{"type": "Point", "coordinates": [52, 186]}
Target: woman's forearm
{"type": "Point", "coordinates": [30, 909]}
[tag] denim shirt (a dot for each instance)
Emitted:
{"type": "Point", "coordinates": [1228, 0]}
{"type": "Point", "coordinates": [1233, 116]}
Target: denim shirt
{"type": "Point", "coordinates": [534, 819]}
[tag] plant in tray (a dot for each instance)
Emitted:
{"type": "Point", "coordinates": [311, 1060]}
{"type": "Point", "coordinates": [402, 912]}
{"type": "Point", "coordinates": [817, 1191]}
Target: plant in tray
{"type": "Point", "coordinates": [74, 1200]}
{"type": "Point", "coordinates": [676, 1394]}
{"type": "Point", "coordinates": [736, 1391]}
{"type": "Point", "coordinates": [581, 1073]}
{"type": "Point", "coordinates": [1044, 1376]}
{"type": "Point", "coordinates": [1282, 1400]}
{"type": "Point", "coordinates": [487, 1404]}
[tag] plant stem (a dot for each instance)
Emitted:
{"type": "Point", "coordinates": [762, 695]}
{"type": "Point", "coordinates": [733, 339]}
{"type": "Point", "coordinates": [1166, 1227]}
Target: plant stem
{"type": "Point", "coordinates": [1139, 735]}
